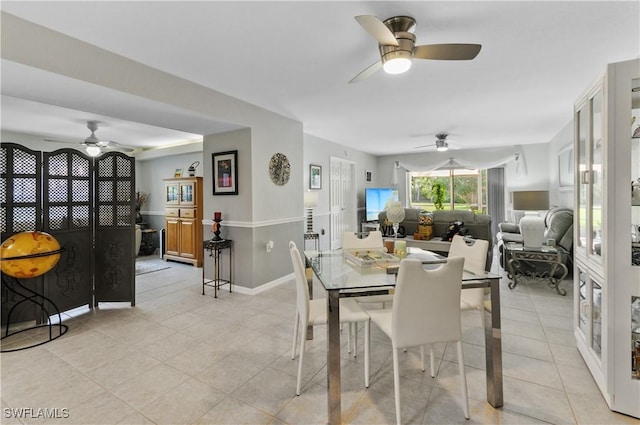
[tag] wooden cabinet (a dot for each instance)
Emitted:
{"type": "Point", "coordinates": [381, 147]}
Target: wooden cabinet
{"type": "Point", "coordinates": [183, 220]}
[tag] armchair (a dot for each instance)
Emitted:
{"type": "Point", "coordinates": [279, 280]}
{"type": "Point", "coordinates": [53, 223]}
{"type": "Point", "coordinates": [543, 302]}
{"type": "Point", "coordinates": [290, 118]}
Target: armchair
{"type": "Point", "coordinates": [558, 229]}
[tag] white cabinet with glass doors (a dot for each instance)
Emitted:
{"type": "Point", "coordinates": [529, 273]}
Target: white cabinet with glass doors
{"type": "Point", "coordinates": [606, 267]}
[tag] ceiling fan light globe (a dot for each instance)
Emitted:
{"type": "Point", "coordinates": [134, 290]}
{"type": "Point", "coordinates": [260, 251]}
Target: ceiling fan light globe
{"type": "Point", "coordinates": [441, 145]}
{"type": "Point", "coordinates": [396, 65]}
{"type": "Point", "coordinates": [93, 150]}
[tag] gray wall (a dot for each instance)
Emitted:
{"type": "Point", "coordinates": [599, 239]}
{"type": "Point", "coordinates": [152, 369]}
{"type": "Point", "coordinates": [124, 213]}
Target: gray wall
{"type": "Point", "coordinates": [319, 152]}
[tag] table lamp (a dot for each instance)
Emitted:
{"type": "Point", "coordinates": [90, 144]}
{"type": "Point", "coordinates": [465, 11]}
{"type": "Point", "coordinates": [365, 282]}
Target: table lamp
{"type": "Point", "coordinates": [531, 225]}
{"type": "Point", "coordinates": [395, 214]}
{"type": "Point", "coordinates": [310, 202]}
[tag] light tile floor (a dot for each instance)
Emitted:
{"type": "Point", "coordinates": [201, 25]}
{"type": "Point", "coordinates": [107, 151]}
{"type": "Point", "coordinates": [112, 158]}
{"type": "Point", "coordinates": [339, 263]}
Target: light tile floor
{"type": "Point", "coordinates": [179, 357]}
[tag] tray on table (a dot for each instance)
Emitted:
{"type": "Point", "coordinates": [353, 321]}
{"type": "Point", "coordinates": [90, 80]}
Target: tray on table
{"type": "Point", "coordinates": [370, 257]}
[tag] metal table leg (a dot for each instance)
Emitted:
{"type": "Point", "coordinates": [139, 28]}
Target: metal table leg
{"type": "Point", "coordinates": [493, 347]}
{"type": "Point", "coordinates": [333, 358]}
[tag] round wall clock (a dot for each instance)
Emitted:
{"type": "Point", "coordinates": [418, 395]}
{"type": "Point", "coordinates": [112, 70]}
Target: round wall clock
{"type": "Point", "coordinates": [279, 169]}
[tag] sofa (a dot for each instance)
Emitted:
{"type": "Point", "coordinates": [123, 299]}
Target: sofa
{"type": "Point", "coordinates": [558, 230]}
{"type": "Point", "coordinates": [478, 225]}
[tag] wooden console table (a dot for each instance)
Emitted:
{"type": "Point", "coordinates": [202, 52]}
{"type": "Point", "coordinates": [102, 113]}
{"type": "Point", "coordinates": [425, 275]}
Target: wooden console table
{"type": "Point", "coordinates": [215, 249]}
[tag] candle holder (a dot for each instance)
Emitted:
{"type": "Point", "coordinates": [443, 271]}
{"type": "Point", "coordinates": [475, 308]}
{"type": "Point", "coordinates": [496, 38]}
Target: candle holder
{"type": "Point", "coordinates": [216, 227]}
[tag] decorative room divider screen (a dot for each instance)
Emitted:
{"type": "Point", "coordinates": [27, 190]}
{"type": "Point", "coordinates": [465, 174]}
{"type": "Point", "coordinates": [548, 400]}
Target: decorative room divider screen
{"type": "Point", "coordinates": [88, 205]}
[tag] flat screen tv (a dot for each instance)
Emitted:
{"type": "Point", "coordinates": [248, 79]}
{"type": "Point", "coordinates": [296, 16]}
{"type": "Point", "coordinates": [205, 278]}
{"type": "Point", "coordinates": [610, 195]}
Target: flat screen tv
{"type": "Point", "coordinates": [375, 200]}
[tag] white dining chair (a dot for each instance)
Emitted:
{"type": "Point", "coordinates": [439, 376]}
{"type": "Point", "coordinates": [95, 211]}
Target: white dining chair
{"type": "Point", "coordinates": [373, 241]}
{"type": "Point", "coordinates": [426, 310]}
{"type": "Point", "coordinates": [474, 252]}
{"type": "Point", "coordinates": [314, 312]}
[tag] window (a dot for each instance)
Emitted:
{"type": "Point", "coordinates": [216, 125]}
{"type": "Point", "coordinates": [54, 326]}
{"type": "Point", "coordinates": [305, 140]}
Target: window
{"type": "Point", "coordinates": [463, 189]}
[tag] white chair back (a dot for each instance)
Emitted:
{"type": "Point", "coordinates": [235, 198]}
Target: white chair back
{"type": "Point", "coordinates": [474, 252]}
{"type": "Point", "coordinates": [373, 240]}
{"type": "Point", "coordinates": [302, 290]}
{"type": "Point", "coordinates": [426, 306]}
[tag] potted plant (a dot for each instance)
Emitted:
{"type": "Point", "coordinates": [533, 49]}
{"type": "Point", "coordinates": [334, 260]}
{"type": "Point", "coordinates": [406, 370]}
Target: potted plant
{"type": "Point", "coordinates": [437, 195]}
{"type": "Point", "coordinates": [141, 199]}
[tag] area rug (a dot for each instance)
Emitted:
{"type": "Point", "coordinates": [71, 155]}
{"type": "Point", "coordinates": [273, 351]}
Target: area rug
{"type": "Point", "coordinates": [144, 267]}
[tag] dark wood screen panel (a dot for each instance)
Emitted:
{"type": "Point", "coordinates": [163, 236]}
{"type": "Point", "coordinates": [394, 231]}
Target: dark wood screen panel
{"type": "Point", "coordinates": [20, 211]}
{"type": "Point", "coordinates": [115, 228]}
{"type": "Point", "coordinates": [68, 215]}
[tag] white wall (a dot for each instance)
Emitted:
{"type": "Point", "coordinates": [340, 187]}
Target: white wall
{"type": "Point", "coordinates": [149, 179]}
{"type": "Point", "coordinates": [562, 197]}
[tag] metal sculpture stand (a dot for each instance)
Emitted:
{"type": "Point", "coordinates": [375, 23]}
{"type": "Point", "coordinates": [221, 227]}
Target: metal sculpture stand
{"type": "Point", "coordinates": [41, 301]}
{"type": "Point", "coordinates": [216, 229]}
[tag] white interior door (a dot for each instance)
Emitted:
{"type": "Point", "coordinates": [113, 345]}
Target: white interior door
{"type": "Point", "coordinates": [342, 195]}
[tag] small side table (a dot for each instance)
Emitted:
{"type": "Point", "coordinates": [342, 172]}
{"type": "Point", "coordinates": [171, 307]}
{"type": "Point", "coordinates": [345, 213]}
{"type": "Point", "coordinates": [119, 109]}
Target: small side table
{"type": "Point", "coordinates": [149, 241]}
{"type": "Point", "coordinates": [549, 255]}
{"type": "Point", "coordinates": [215, 249]}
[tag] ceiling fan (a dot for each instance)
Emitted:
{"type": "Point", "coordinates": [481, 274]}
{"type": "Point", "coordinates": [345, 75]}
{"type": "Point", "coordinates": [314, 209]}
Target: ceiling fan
{"type": "Point", "coordinates": [94, 146]}
{"type": "Point", "coordinates": [396, 43]}
{"type": "Point", "coordinates": [441, 143]}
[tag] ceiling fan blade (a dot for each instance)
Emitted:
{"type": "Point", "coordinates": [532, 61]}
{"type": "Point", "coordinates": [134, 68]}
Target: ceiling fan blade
{"type": "Point", "coordinates": [377, 29]}
{"type": "Point", "coordinates": [451, 51]}
{"type": "Point", "coordinates": [115, 145]}
{"type": "Point", "coordinates": [58, 141]}
{"type": "Point", "coordinates": [371, 69]}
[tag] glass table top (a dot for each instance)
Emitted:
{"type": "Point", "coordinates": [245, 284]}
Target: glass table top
{"type": "Point", "coordinates": [337, 271]}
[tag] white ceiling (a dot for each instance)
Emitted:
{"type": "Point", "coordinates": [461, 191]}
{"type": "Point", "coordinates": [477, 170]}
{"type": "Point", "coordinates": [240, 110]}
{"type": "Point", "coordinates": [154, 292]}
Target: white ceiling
{"type": "Point", "coordinates": [296, 58]}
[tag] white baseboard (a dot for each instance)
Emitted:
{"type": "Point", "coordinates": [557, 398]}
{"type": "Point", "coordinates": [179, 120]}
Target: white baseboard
{"type": "Point", "coordinates": [264, 287]}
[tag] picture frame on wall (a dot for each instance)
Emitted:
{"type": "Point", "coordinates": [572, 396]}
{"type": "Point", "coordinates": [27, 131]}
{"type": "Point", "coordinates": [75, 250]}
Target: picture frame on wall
{"type": "Point", "coordinates": [225, 173]}
{"type": "Point", "coordinates": [368, 176]}
{"type": "Point", "coordinates": [178, 172]}
{"type": "Point", "coordinates": [315, 177]}
{"type": "Point", "coordinates": [565, 168]}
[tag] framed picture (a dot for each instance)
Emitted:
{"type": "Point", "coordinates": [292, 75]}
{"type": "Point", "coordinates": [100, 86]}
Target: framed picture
{"type": "Point", "coordinates": [178, 172]}
{"type": "Point", "coordinates": [367, 176]}
{"type": "Point", "coordinates": [225, 173]}
{"type": "Point", "coordinates": [315, 176]}
{"type": "Point", "coordinates": [565, 168]}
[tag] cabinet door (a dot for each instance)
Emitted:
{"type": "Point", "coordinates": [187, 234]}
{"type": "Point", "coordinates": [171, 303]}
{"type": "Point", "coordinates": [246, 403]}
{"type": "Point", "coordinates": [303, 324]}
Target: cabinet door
{"type": "Point", "coordinates": [187, 193]}
{"type": "Point", "coordinates": [171, 193]}
{"type": "Point", "coordinates": [188, 238]}
{"type": "Point", "coordinates": [172, 226]}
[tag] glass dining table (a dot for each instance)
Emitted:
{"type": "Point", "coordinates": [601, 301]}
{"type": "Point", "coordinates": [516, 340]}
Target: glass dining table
{"type": "Point", "coordinates": [341, 276]}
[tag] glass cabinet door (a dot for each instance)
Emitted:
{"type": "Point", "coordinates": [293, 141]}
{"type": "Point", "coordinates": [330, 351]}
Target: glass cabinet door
{"type": "Point", "coordinates": [589, 163]}
{"type": "Point", "coordinates": [581, 157]}
{"type": "Point", "coordinates": [171, 193]}
{"type": "Point", "coordinates": [187, 194]}
{"type": "Point", "coordinates": [596, 176]}
{"type": "Point", "coordinates": [635, 173]}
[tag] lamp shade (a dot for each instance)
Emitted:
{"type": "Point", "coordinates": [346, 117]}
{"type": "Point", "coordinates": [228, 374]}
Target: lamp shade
{"type": "Point", "coordinates": [310, 199]}
{"type": "Point", "coordinates": [531, 200]}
